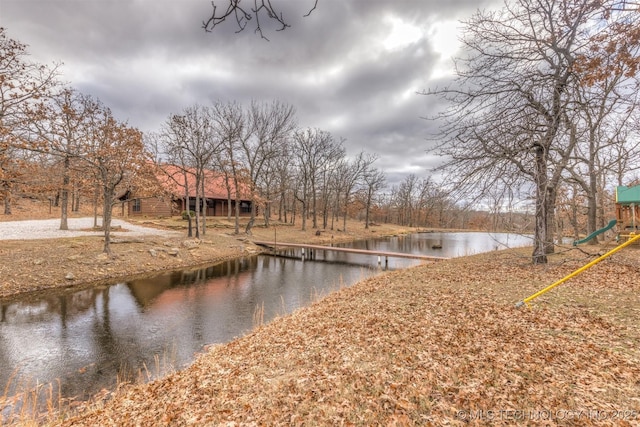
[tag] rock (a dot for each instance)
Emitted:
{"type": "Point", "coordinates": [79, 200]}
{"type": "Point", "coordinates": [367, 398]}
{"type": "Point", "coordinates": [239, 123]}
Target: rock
{"type": "Point", "coordinates": [70, 276]}
{"type": "Point", "coordinates": [191, 244]}
{"type": "Point", "coordinates": [153, 252]}
{"type": "Point", "coordinates": [174, 252]}
{"type": "Point", "coordinates": [38, 261]}
{"type": "Point", "coordinates": [74, 257]}
{"type": "Point", "coordinates": [103, 257]}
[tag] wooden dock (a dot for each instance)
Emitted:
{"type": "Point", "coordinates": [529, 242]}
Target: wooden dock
{"type": "Point", "coordinates": [284, 245]}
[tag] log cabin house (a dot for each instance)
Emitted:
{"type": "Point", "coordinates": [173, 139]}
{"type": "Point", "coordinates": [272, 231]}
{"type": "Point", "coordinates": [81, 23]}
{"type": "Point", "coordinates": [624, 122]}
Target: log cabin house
{"type": "Point", "coordinates": [174, 180]}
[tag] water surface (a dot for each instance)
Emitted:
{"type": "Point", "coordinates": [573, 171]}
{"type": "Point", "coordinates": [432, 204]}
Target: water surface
{"type": "Point", "coordinates": [82, 341]}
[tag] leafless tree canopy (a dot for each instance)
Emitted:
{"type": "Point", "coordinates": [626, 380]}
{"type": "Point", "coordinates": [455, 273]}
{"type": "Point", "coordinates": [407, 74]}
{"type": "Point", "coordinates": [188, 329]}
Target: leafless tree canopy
{"type": "Point", "coordinates": [245, 12]}
{"type": "Point", "coordinates": [536, 83]}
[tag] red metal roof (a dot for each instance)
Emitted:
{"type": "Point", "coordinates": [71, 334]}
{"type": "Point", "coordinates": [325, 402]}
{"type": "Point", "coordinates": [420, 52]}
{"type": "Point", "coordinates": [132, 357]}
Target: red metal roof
{"type": "Point", "coordinates": [172, 179]}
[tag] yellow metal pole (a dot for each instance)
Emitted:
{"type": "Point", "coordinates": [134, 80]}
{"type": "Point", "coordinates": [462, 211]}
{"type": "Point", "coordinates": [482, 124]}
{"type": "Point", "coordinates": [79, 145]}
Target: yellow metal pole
{"type": "Point", "coordinates": [578, 271]}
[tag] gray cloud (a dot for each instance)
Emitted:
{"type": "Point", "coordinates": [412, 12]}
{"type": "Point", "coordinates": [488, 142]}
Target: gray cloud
{"type": "Point", "coordinates": [347, 68]}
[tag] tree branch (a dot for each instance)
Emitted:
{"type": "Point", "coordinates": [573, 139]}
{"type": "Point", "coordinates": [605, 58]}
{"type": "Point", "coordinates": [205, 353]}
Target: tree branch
{"type": "Point", "coordinates": [243, 16]}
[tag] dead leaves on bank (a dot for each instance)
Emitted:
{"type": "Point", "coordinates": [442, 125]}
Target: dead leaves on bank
{"type": "Point", "coordinates": [440, 344]}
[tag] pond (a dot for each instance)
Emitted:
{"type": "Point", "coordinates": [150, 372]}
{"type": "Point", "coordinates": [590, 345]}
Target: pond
{"type": "Point", "coordinates": [85, 341]}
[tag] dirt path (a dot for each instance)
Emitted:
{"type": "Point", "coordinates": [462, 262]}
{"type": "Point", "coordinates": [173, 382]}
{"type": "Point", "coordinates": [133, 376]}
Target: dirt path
{"type": "Point", "coordinates": [78, 227]}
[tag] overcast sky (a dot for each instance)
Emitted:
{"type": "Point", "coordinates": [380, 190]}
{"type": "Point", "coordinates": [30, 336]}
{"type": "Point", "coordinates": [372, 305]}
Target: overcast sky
{"type": "Point", "coordinates": [353, 67]}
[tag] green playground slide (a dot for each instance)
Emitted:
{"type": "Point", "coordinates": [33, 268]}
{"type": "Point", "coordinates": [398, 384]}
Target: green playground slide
{"type": "Point", "coordinates": [595, 233]}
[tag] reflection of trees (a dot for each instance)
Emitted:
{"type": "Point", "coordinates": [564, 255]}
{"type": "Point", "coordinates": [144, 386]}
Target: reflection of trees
{"type": "Point", "coordinates": [106, 347]}
{"type": "Point", "coordinates": [6, 363]}
{"type": "Point", "coordinates": [63, 305]}
{"type": "Point", "coordinates": [190, 308]}
{"type": "Point", "coordinates": [146, 290]}
{"type": "Point", "coordinates": [103, 368]}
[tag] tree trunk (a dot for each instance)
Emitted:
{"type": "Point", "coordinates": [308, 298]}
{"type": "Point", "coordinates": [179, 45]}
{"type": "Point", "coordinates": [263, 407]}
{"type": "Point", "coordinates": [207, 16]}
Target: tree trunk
{"type": "Point", "coordinates": [592, 211]}
{"type": "Point", "coordinates": [106, 219]}
{"type": "Point", "coordinates": [367, 209]}
{"type": "Point", "coordinates": [77, 199]}
{"type": "Point", "coordinates": [237, 212]}
{"type": "Point", "coordinates": [252, 219]}
{"type": "Point", "coordinates": [304, 215]}
{"type": "Point", "coordinates": [198, 211]}
{"type": "Point", "coordinates": [189, 222]}
{"type": "Point", "coordinates": [95, 205]}
{"type": "Point", "coordinates": [550, 199]}
{"type": "Point", "coordinates": [540, 237]}
{"type": "Point", "coordinates": [314, 205]}
{"type": "Point", "coordinates": [346, 209]}
{"type": "Point", "coordinates": [64, 203]}
{"type": "Point", "coordinates": [574, 214]}
{"type": "Point", "coordinates": [247, 229]}
{"type": "Point", "coordinates": [204, 209]}
{"type": "Point", "coordinates": [7, 197]}
{"type": "Point", "coordinates": [267, 214]}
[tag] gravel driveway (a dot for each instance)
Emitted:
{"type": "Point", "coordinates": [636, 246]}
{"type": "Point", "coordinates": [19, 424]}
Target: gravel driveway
{"type": "Point", "coordinates": [49, 229]}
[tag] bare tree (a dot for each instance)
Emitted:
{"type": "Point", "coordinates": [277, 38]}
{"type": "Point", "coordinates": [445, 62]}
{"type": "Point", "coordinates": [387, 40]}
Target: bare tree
{"type": "Point", "coordinates": [283, 175]}
{"type": "Point", "coordinates": [404, 199]}
{"type": "Point", "coordinates": [172, 136]}
{"type": "Point", "coordinates": [350, 174]}
{"type": "Point", "coordinates": [314, 150]}
{"type": "Point", "coordinates": [511, 100]}
{"type": "Point", "coordinates": [23, 85]}
{"type": "Point", "coordinates": [233, 130]}
{"type": "Point", "coordinates": [374, 180]}
{"type": "Point", "coordinates": [271, 124]}
{"type": "Point", "coordinates": [242, 14]}
{"type": "Point", "coordinates": [62, 132]}
{"type": "Point", "coordinates": [192, 135]}
{"type": "Point", "coordinates": [602, 112]}
{"type": "Point", "coordinates": [116, 155]}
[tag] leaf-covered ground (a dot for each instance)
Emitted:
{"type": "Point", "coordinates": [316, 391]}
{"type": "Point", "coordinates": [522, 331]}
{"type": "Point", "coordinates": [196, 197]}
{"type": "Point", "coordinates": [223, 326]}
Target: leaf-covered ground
{"type": "Point", "coordinates": [439, 344]}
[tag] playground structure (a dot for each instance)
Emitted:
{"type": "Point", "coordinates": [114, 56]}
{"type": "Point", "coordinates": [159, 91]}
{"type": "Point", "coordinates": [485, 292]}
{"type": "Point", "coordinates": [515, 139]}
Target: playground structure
{"type": "Point", "coordinates": [628, 221]}
{"type": "Point", "coordinates": [609, 226]}
{"type": "Point", "coordinates": [627, 211]}
{"type": "Point", "coordinates": [627, 215]}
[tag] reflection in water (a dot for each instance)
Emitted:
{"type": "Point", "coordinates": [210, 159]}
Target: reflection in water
{"type": "Point", "coordinates": [87, 339]}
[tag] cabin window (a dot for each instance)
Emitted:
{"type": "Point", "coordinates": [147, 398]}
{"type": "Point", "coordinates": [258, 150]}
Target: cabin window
{"type": "Point", "coordinates": [245, 207]}
{"type": "Point", "coordinates": [136, 205]}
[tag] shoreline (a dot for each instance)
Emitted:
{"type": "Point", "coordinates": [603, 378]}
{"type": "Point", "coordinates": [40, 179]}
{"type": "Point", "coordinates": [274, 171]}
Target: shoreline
{"type": "Point", "coordinates": [428, 344]}
{"type": "Point", "coordinates": [36, 266]}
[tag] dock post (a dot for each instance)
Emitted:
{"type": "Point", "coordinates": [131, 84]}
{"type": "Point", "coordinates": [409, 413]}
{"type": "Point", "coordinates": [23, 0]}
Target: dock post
{"type": "Point", "coordinates": [379, 260]}
{"type": "Point", "coordinates": [302, 254]}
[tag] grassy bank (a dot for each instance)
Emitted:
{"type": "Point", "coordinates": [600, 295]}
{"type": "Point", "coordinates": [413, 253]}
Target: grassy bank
{"type": "Point", "coordinates": [438, 344]}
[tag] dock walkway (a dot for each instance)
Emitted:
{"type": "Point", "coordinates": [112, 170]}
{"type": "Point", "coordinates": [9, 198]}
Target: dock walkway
{"type": "Point", "coordinates": [283, 245]}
